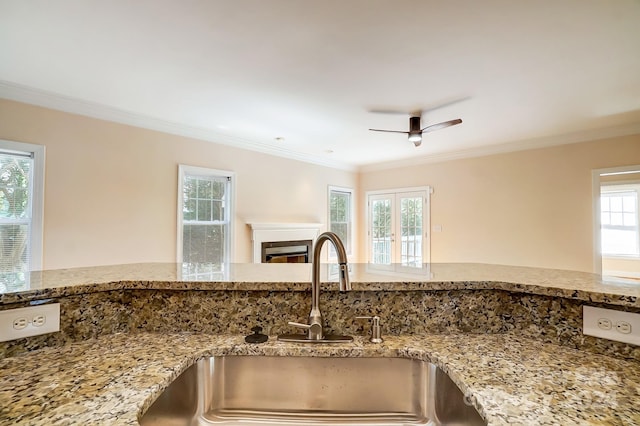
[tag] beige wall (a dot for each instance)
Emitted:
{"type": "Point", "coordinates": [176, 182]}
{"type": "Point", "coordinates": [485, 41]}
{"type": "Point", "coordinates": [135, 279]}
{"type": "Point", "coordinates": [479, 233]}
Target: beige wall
{"type": "Point", "coordinates": [111, 189]}
{"type": "Point", "coordinates": [529, 208]}
{"type": "Point", "coordinates": [111, 194]}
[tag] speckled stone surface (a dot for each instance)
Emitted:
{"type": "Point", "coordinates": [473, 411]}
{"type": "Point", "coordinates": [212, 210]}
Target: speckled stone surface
{"type": "Point", "coordinates": [296, 277]}
{"type": "Point", "coordinates": [548, 319]}
{"type": "Point", "coordinates": [508, 362]}
{"type": "Point", "coordinates": [511, 380]}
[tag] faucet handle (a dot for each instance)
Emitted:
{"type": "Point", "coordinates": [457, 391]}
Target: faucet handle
{"type": "Point", "coordinates": [314, 331]}
{"type": "Point", "coordinates": [299, 325]}
{"type": "Point", "coordinates": [376, 329]}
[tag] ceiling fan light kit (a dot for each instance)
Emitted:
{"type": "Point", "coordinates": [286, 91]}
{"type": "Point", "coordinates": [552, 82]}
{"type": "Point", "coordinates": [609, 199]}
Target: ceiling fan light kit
{"type": "Point", "coordinates": [415, 132]}
{"type": "Point", "coordinates": [415, 137]}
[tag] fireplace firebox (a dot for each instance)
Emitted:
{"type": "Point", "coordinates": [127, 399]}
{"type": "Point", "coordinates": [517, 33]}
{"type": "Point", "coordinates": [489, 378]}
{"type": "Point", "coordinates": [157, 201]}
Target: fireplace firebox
{"type": "Point", "coordinates": [278, 236]}
{"type": "Point", "coordinates": [298, 251]}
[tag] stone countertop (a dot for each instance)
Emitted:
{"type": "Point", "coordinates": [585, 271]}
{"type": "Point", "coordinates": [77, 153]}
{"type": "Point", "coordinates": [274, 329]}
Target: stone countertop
{"type": "Point", "coordinates": [511, 380]}
{"type": "Point", "coordinates": [296, 277]}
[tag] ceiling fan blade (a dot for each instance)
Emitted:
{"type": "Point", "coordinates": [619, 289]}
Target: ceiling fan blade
{"type": "Point", "coordinates": [387, 111]}
{"type": "Point", "coordinates": [389, 131]}
{"type": "Point", "coordinates": [418, 111]}
{"type": "Point", "coordinates": [442, 125]}
{"type": "Point", "coordinates": [445, 103]}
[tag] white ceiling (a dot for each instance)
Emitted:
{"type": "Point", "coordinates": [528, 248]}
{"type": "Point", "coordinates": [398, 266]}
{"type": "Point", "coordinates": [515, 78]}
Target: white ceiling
{"type": "Point", "coordinates": [519, 73]}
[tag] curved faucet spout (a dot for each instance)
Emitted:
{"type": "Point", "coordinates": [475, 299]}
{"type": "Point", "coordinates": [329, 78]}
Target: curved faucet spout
{"type": "Point", "coordinates": [315, 317]}
{"type": "Point", "coordinates": [345, 283]}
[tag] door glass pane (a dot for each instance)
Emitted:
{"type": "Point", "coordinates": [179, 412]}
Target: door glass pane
{"type": "Point", "coordinates": [381, 231]}
{"type": "Point", "coordinates": [411, 231]}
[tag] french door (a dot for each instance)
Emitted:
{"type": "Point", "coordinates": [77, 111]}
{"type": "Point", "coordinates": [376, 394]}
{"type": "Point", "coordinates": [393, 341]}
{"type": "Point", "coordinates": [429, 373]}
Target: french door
{"type": "Point", "coordinates": [398, 225]}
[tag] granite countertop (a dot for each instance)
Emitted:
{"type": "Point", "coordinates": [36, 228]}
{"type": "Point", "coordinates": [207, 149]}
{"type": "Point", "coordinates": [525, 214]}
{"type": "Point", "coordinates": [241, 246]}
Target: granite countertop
{"type": "Point", "coordinates": [511, 380]}
{"type": "Point", "coordinates": [296, 277]}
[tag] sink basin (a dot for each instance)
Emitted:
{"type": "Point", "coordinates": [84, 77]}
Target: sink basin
{"type": "Point", "coordinates": [263, 390]}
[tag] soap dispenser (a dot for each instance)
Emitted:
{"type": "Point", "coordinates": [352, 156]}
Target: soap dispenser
{"type": "Point", "coordinates": [376, 329]}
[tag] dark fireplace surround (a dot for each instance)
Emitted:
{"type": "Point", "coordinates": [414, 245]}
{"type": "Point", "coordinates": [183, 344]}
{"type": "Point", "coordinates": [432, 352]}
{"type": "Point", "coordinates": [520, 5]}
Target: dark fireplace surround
{"type": "Point", "coordinates": [295, 251]}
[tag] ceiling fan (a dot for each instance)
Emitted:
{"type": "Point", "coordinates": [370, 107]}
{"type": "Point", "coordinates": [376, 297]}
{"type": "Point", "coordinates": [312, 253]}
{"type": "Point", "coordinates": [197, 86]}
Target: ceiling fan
{"type": "Point", "coordinates": [415, 132]}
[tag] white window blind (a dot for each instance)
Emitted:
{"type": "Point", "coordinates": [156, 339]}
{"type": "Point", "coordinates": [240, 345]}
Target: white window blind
{"type": "Point", "coordinates": [16, 211]}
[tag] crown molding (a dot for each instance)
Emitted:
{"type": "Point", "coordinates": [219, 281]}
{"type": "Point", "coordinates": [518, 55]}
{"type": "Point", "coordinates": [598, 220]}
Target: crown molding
{"type": "Point", "coordinates": [56, 101]}
{"type": "Point", "coordinates": [522, 145]}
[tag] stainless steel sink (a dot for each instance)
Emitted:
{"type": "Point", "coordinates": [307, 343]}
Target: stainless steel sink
{"type": "Point", "coordinates": [262, 390]}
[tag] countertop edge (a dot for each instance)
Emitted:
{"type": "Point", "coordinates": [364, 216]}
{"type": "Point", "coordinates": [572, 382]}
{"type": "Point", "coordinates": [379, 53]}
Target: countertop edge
{"type": "Point", "coordinates": [302, 286]}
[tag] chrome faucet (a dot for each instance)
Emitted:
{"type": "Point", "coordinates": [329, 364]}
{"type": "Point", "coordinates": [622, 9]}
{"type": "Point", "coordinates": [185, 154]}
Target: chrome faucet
{"type": "Point", "coordinates": [314, 327]}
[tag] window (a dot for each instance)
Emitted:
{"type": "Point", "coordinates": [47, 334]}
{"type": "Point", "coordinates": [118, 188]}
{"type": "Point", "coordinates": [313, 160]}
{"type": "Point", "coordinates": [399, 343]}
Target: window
{"type": "Point", "coordinates": [204, 220]}
{"type": "Point", "coordinates": [21, 204]}
{"type": "Point", "coordinates": [619, 220]}
{"type": "Point", "coordinates": [397, 227]}
{"type": "Point", "coordinates": [341, 217]}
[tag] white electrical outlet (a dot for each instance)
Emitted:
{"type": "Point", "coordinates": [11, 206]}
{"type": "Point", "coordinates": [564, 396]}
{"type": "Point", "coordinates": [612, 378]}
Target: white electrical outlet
{"type": "Point", "coordinates": [611, 324]}
{"type": "Point", "coordinates": [30, 321]}
{"type": "Point", "coordinates": [604, 323]}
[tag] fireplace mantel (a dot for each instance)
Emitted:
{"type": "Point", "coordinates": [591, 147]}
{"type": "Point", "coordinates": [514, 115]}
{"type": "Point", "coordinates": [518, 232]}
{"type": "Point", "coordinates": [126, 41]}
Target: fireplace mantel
{"type": "Point", "coordinates": [266, 232]}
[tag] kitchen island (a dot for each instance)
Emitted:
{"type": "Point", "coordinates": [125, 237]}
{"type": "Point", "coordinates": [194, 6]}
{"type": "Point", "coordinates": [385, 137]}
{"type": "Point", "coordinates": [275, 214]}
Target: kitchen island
{"type": "Point", "coordinates": [509, 337]}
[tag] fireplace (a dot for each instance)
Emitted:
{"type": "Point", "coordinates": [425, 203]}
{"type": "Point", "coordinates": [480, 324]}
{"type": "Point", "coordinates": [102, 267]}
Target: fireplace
{"type": "Point", "coordinates": [283, 242]}
{"type": "Point", "coordinates": [287, 251]}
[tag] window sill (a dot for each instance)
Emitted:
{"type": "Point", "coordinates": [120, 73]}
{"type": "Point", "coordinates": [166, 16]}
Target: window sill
{"type": "Point", "coordinates": [620, 257]}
